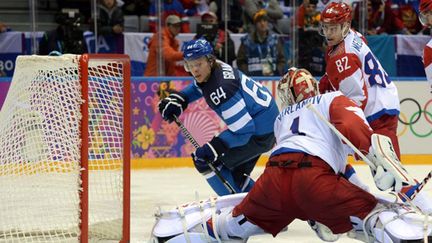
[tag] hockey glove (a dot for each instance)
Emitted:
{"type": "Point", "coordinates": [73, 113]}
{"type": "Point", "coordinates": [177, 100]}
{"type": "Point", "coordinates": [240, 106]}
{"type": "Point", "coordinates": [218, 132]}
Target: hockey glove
{"type": "Point", "coordinates": [384, 180]}
{"type": "Point", "coordinates": [323, 232]}
{"type": "Point", "coordinates": [173, 105]}
{"type": "Point", "coordinates": [208, 153]}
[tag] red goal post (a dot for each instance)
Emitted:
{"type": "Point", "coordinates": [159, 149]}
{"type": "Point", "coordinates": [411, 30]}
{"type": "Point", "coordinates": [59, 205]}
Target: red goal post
{"type": "Point", "coordinates": [65, 149]}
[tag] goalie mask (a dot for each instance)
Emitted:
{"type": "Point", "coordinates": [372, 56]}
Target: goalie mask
{"type": "Point", "coordinates": [297, 85]}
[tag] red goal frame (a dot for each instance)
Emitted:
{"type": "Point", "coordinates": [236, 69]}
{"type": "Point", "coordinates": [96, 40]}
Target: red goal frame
{"type": "Point", "coordinates": [84, 195]}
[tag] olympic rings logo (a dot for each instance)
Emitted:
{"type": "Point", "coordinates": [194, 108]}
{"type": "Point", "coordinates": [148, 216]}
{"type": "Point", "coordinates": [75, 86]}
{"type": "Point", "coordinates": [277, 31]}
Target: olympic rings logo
{"type": "Point", "coordinates": [415, 117]}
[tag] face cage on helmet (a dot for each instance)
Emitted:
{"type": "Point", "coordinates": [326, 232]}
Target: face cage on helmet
{"type": "Point", "coordinates": [285, 92]}
{"type": "Point", "coordinates": [423, 17]}
{"type": "Point", "coordinates": [346, 26]}
{"type": "Point", "coordinates": [285, 95]}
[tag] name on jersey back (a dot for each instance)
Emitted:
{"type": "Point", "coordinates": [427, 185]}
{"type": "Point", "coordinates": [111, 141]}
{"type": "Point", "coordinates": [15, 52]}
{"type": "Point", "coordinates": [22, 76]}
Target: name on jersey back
{"type": "Point", "coordinates": [292, 108]}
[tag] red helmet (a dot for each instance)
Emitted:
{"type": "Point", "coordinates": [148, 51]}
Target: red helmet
{"type": "Point", "coordinates": [425, 5]}
{"type": "Point", "coordinates": [297, 85]}
{"type": "Point", "coordinates": [336, 13]}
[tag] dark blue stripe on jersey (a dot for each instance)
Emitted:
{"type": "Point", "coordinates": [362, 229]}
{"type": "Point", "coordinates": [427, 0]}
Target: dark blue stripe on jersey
{"type": "Point", "coordinates": [349, 171]}
{"type": "Point", "coordinates": [392, 112]}
{"type": "Point", "coordinates": [284, 150]}
{"type": "Point", "coordinates": [223, 90]}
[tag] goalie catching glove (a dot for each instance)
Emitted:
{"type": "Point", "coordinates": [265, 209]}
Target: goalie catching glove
{"type": "Point", "coordinates": [208, 153]}
{"type": "Point", "coordinates": [388, 172]}
{"type": "Point", "coordinates": [173, 105]}
{"type": "Point", "coordinates": [383, 179]}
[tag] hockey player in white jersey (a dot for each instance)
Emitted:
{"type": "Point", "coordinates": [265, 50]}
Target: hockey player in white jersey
{"type": "Point", "coordinates": [353, 69]}
{"type": "Point", "coordinates": [425, 17]}
{"type": "Point", "coordinates": [301, 180]}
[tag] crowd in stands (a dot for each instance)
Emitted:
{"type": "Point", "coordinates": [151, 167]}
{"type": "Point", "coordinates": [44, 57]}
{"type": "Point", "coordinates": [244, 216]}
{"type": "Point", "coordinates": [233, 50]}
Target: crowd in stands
{"type": "Point", "coordinates": [259, 19]}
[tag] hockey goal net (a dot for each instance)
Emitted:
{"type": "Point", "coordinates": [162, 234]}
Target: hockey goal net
{"type": "Point", "coordinates": [64, 150]}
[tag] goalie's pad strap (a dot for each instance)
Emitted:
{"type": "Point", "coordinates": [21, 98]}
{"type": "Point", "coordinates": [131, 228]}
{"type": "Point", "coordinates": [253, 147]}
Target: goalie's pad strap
{"type": "Point", "coordinates": [214, 223]}
{"type": "Point", "coordinates": [395, 221]}
{"type": "Point", "coordinates": [203, 221]}
{"type": "Point", "coordinates": [184, 223]}
{"type": "Point", "coordinates": [170, 223]}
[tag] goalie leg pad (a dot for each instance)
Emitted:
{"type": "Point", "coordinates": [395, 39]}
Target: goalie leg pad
{"type": "Point", "coordinates": [424, 202]}
{"type": "Point", "coordinates": [189, 217]}
{"type": "Point", "coordinates": [395, 223]}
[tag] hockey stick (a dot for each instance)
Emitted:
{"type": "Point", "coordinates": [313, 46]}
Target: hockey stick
{"type": "Point", "coordinates": [341, 136]}
{"type": "Point", "coordinates": [192, 140]}
{"type": "Point", "coordinates": [419, 187]}
{"type": "Point", "coordinates": [365, 159]}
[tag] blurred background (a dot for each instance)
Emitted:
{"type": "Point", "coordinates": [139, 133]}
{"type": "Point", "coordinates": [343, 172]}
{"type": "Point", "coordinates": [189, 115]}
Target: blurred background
{"type": "Point", "coordinates": [152, 33]}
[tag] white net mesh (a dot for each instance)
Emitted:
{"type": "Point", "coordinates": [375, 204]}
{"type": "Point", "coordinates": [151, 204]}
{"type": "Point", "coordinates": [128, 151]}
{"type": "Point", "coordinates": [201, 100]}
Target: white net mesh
{"type": "Point", "coordinates": [40, 142]}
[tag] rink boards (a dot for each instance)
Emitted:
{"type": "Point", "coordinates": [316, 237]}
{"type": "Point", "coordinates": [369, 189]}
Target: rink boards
{"type": "Point", "coordinates": [154, 163]}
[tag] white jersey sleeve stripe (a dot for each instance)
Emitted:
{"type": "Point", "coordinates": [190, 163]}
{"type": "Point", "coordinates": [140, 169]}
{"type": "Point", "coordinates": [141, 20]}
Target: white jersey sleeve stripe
{"type": "Point", "coordinates": [233, 110]}
{"type": "Point", "coordinates": [240, 123]}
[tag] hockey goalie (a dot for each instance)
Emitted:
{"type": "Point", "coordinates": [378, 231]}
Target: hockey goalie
{"type": "Point", "coordinates": [302, 181]}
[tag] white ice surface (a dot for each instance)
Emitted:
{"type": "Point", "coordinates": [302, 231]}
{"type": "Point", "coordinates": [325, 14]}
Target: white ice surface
{"type": "Point", "coordinates": [170, 187]}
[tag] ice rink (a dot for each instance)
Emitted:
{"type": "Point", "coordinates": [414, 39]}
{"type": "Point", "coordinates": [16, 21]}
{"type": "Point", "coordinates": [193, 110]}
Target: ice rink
{"type": "Point", "coordinates": [170, 187]}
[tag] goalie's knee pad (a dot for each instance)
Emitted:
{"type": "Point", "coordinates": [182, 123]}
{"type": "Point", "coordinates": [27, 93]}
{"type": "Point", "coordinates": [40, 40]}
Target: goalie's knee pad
{"type": "Point", "coordinates": [391, 223]}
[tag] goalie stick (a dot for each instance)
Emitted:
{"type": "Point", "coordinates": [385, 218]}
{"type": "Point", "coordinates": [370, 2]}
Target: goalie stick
{"type": "Point", "coordinates": [404, 193]}
{"type": "Point", "coordinates": [192, 140]}
{"type": "Point", "coordinates": [417, 188]}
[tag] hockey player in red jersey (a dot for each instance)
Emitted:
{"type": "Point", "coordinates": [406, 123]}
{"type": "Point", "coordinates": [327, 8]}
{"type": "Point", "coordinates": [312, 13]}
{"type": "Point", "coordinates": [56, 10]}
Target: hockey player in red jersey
{"type": "Point", "coordinates": [301, 179]}
{"type": "Point", "coordinates": [354, 70]}
{"type": "Point", "coordinates": [425, 17]}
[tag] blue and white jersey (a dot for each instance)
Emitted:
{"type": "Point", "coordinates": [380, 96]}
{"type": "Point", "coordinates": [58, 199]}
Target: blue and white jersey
{"type": "Point", "coordinates": [246, 107]}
